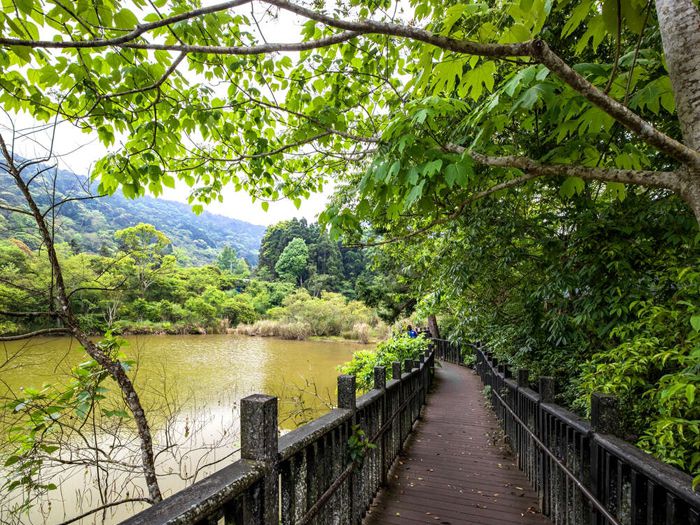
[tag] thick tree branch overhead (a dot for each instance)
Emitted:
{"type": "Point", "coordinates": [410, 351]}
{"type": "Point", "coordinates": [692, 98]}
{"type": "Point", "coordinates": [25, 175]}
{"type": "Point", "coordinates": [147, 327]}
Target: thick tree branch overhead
{"type": "Point", "coordinates": [216, 102]}
{"type": "Point", "coordinates": [535, 49]}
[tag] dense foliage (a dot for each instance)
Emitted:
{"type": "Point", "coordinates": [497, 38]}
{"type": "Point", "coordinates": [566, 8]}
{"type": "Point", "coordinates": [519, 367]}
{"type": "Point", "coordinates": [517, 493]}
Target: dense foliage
{"type": "Point", "coordinates": [600, 293]}
{"type": "Point", "coordinates": [331, 314]}
{"type": "Point", "coordinates": [398, 348]}
{"type": "Point", "coordinates": [144, 288]}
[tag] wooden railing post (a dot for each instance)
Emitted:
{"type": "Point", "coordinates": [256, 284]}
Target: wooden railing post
{"type": "Point", "coordinates": [259, 443]}
{"type": "Point", "coordinates": [396, 370]}
{"type": "Point", "coordinates": [347, 399]}
{"type": "Point", "coordinates": [547, 389]}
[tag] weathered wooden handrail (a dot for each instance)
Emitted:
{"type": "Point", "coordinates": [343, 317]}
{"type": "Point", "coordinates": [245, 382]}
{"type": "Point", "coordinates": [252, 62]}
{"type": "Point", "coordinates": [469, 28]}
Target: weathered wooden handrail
{"type": "Point", "coordinates": [307, 475]}
{"type": "Point", "coordinates": [633, 487]}
{"type": "Point", "coordinates": [447, 351]}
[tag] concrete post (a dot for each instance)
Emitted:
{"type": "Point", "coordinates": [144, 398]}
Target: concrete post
{"type": "Point", "coordinates": [523, 377]}
{"type": "Point", "coordinates": [259, 443]}
{"type": "Point", "coordinates": [346, 392]}
{"type": "Point", "coordinates": [396, 370]}
{"type": "Point", "coordinates": [547, 389]}
{"type": "Point", "coordinates": [605, 414]}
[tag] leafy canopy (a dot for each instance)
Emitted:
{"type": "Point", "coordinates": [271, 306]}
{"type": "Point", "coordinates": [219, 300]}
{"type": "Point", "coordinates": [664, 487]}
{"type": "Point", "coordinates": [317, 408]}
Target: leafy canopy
{"type": "Point", "coordinates": [180, 91]}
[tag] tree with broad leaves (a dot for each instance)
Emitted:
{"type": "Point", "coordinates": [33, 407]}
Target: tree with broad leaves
{"type": "Point", "coordinates": [438, 106]}
{"type": "Point", "coordinates": [148, 250]}
{"type": "Point", "coordinates": [293, 260]}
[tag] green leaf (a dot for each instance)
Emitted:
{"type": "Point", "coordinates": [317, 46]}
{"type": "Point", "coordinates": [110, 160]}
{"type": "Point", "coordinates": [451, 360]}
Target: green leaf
{"type": "Point", "coordinates": [12, 460]}
{"type": "Point", "coordinates": [690, 394]}
{"type": "Point", "coordinates": [610, 15]}
{"type": "Point", "coordinates": [414, 195]}
{"type": "Point", "coordinates": [695, 322]}
{"type": "Point", "coordinates": [572, 186]}
{"type": "Point", "coordinates": [24, 6]}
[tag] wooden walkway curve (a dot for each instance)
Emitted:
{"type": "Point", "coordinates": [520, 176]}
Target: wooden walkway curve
{"type": "Point", "coordinates": [453, 471]}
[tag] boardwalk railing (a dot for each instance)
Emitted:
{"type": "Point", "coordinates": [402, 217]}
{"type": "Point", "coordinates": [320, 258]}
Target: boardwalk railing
{"type": "Point", "coordinates": [327, 471]}
{"type": "Point", "coordinates": [583, 473]}
{"type": "Point", "coordinates": [447, 351]}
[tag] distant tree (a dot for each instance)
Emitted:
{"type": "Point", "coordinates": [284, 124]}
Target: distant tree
{"type": "Point", "coordinates": [228, 260]}
{"type": "Point", "coordinates": [291, 264]}
{"type": "Point", "coordinates": [149, 251]}
{"type": "Point", "coordinates": [276, 238]}
{"type": "Point", "coordinates": [75, 245]}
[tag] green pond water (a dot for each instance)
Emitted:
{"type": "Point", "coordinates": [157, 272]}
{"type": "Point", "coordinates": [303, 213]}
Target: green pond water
{"type": "Point", "coordinates": [191, 386]}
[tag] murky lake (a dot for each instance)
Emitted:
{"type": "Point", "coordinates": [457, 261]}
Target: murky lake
{"type": "Point", "coordinates": [190, 386]}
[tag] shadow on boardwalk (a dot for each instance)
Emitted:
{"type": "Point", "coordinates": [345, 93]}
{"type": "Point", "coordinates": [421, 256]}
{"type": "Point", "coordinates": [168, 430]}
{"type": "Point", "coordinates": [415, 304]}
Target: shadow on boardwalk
{"type": "Point", "coordinates": [454, 470]}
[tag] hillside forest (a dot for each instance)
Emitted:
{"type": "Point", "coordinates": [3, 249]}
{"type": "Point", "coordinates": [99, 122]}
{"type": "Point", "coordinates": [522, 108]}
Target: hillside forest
{"type": "Point", "coordinates": [305, 285]}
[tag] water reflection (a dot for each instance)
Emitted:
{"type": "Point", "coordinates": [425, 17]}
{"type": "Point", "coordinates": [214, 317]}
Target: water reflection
{"type": "Point", "coordinates": [191, 386]}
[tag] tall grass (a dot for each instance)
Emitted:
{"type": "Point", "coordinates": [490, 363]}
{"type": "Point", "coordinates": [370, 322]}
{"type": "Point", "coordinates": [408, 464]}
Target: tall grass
{"type": "Point", "coordinates": [269, 328]}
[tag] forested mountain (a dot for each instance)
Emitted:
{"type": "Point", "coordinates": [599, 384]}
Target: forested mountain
{"type": "Point", "coordinates": [89, 225]}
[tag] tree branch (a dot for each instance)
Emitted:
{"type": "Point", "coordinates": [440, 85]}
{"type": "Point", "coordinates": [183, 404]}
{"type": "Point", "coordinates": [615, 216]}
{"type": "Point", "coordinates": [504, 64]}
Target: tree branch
{"type": "Point", "coordinates": [537, 49]}
{"type": "Point", "coordinates": [106, 506]}
{"type": "Point", "coordinates": [262, 49]}
{"type": "Point", "coordinates": [155, 85]}
{"type": "Point", "coordinates": [533, 170]}
{"type": "Point", "coordinates": [647, 178]}
{"type": "Point", "coordinates": [128, 37]}
{"type": "Point", "coordinates": [27, 314]}
{"type": "Point", "coordinates": [29, 335]}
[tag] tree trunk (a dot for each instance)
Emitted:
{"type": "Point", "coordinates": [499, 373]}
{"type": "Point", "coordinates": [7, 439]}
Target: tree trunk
{"type": "Point", "coordinates": [433, 326]}
{"type": "Point", "coordinates": [66, 315]}
{"type": "Point", "coordinates": [679, 23]}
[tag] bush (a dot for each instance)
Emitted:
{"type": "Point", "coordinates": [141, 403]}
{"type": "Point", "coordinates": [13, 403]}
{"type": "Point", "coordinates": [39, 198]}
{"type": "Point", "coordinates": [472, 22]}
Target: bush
{"type": "Point", "coordinates": [654, 374]}
{"type": "Point", "coordinates": [239, 309]}
{"type": "Point", "coordinates": [328, 315]}
{"type": "Point", "coordinates": [398, 348]}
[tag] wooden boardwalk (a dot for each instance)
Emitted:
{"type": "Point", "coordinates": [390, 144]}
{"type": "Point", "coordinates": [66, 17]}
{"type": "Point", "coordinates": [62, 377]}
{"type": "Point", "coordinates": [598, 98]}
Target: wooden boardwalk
{"type": "Point", "coordinates": [454, 471]}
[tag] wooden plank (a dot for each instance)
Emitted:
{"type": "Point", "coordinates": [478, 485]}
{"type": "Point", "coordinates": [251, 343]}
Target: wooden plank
{"type": "Point", "coordinates": [455, 470]}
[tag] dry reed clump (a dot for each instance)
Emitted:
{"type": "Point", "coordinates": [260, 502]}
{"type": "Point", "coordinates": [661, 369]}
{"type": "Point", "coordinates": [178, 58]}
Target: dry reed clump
{"type": "Point", "coordinates": [361, 332]}
{"type": "Point", "coordinates": [268, 328]}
